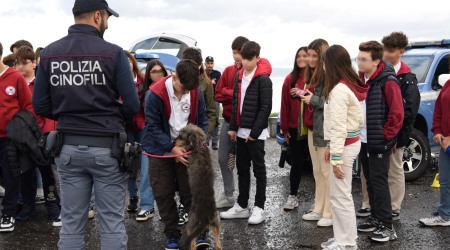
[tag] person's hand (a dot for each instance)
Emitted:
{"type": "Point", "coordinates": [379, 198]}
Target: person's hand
{"type": "Point", "coordinates": [446, 143]}
{"type": "Point", "coordinates": [181, 159]}
{"type": "Point", "coordinates": [287, 137]}
{"type": "Point", "coordinates": [232, 135]}
{"type": "Point", "coordinates": [294, 92]}
{"type": "Point", "coordinates": [438, 138]}
{"type": "Point", "coordinates": [327, 155]}
{"type": "Point", "coordinates": [249, 139]}
{"type": "Point", "coordinates": [338, 172]}
{"type": "Point", "coordinates": [307, 98]}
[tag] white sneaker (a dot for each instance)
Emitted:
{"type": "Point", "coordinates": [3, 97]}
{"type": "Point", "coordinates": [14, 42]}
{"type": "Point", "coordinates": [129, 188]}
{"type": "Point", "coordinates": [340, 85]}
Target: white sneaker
{"type": "Point", "coordinates": [258, 216]}
{"type": "Point", "coordinates": [325, 222]}
{"type": "Point", "coordinates": [312, 216]}
{"type": "Point", "coordinates": [57, 222]}
{"type": "Point", "coordinates": [91, 213]}
{"type": "Point", "coordinates": [327, 243]}
{"type": "Point", "coordinates": [335, 246]}
{"type": "Point", "coordinates": [2, 191]}
{"type": "Point", "coordinates": [435, 220]}
{"type": "Point", "coordinates": [291, 203]}
{"type": "Point", "coordinates": [236, 212]}
{"type": "Point", "coordinates": [225, 201]}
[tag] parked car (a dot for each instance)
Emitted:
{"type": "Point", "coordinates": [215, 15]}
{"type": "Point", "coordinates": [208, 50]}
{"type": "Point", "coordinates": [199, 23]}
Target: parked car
{"type": "Point", "coordinates": [428, 60]}
{"type": "Point", "coordinates": [168, 48]}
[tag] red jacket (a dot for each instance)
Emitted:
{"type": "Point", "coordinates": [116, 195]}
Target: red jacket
{"type": "Point", "coordinates": [224, 90]}
{"type": "Point", "coordinates": [46, 125]}
{"type": "Point", "coordinates": [139, 118]}
{"type": "Point", "coordinates": [290, 107]}
{"type": "Point", "coordinates": [15, 95]}
{"type": "Point", "coordinates": [395, 117]}
{"type": "Point", "coordinates": [441, 117]}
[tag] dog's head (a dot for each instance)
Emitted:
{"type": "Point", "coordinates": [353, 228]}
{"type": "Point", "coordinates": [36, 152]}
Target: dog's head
{"type": "Point", "coordinates": [191, 137]}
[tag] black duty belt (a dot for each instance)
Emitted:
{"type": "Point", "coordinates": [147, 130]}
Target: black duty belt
{"type": "Point", "coordinates": [90, 141]}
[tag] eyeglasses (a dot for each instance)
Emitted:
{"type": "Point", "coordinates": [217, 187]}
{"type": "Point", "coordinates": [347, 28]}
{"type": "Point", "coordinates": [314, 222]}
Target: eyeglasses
{"type": "Point", "coordinates": [362, 59]}
{"type": "Point", "coordinates": [21, 64]}
{"type": "Point", "coordinates": [161, 71]}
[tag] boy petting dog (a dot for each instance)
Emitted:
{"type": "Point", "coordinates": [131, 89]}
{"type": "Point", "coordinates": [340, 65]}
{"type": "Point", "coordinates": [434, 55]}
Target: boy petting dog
{"type": "Point", "coordinates": [170, 105]}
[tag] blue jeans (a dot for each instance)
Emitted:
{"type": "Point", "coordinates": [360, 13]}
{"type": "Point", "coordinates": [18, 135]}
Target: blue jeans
{"type": "Point", "coordinates": [147, 200]}
{"type": "Point", "coordinates": [444, 181]}
{"type": "Point", "coordinates": [80, 168]}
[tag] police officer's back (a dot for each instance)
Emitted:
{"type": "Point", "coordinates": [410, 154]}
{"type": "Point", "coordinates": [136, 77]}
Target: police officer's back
{"type": "Point", "coordinates": [85, 84]}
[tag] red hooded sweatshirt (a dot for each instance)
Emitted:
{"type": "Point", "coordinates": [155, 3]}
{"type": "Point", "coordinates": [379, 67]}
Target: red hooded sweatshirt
{"type": "Point", "coordinates": [139, 118]}
{"type": "Point", "coordinates": [159, 88]}
{"type": "Point", "coordinates": [224, 90]}
{"type": "Point", "coordinates": [290, 107]}
{"type": "Point", "coordinates": [46, 125]}
{"type": "Point", "coordinates": [15, 95]}
{"type": "Point", "coordinates": [441, 117]}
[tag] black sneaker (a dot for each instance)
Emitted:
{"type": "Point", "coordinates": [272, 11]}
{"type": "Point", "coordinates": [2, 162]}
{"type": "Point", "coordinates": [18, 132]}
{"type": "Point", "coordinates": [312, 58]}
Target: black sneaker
{"type": "Point", "coordinates": [182, 216]}
{"type": "Point", "coordinates": [395, 216]}
{"type": "Point", "coordinates": [369, 226]}
{"type": "Point", "coordinates": [27, 212]}
{"type": "Point", "coordinates": [132, 207]}
{"type": "Point", "coordinates": [53, 210]}
{"type": "Point", "coordinates": [144, 215]}
{"type": "Point", "coordinates": [383, 234]}
{"type": "Point", "coordinates": [363, 212]}
{"type": "Point", "coordinates": [214, 146]}
{"type": "Point", "coordinates": [7, 223]}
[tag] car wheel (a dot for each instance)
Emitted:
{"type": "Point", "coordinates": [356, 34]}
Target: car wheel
{"type": "Point", "coordinates": [416, 156]}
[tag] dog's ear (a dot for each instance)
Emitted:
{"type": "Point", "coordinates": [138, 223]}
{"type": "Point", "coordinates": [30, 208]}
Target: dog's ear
{"type": "Point", "coordinates": [194, 142]}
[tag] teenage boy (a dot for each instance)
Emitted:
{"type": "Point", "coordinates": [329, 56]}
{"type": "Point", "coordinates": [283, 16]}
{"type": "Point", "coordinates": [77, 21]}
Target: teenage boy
{"type": "Point", "coordinates": [214, 77]}
{"type": "Point", "coordinates": [14, 96]}
{"type": "Point", "coordinates": [170, 105]}
{"type": "Point", "coordinates": [384, 97]}
{"type": "Point", "coordinates": [26, 65]}
{"type": "Point", "coordinates": [224, 95]}
{"type": "Point", "coordinates": [15, 46]}
{"type": "Point", "coordinates": [252, 104]}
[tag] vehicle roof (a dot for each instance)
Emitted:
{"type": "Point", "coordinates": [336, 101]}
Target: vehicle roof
{"type": "Point", "coordinates": [428, 51]}
{"type": "Point", "coordinates": [189, 41]}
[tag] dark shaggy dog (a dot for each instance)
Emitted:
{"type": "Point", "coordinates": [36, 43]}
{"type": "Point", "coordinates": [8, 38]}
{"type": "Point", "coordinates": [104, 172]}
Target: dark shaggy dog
{"type": "Point", "coordinates": [203, 213]}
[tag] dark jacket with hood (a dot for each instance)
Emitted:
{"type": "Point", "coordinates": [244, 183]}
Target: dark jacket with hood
{"type": "Point", "coordinates": [156, 139]}
{"type": "Point", "coordinates": [411, 103]}
{"type": "Point", "coordinates": [257, 103]}
{"type": "Point", "coordinates": [384, 109]}
{"type": "Point", "coordinates": [24, 134]}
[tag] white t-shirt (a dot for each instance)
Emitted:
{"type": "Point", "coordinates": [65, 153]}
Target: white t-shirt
{"type": "Point", "coordinates": [397, 66]}
{"type": "Point", "coordinates": [363, 135]}
{"type": "Point", "coordinates": [181, 109]}
{"type": "Point", "coordinates": [245, 132]}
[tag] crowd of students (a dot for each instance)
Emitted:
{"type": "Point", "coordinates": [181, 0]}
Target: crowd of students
{"type": "Point", "coordinates": [327, 109]}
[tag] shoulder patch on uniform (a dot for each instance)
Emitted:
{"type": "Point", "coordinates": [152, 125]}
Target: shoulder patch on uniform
{"type": "Point", "coordinates": [10, 90]}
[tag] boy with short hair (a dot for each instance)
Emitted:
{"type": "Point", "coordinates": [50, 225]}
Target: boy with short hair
{"type": "Point", "coordinates": [384, 97]}
{"type": "Point", "coordinates": [26, 65]}
{"type": "Point", "coordinates": [224, 95]}
{"type": "Point", "coordinates": [15, 96]}
{"type": "Point", "coordinates": [170, 105]}
{"type": "Point", "coordinates": [15, 46]}
{"type": "Point", "coordinates": [252, 104]}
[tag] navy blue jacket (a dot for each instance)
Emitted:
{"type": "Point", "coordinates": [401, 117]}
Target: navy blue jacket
{"type": "Point", "coordinates": [156, 139]}
{"type": "Point", "coordinates": [85, 83]}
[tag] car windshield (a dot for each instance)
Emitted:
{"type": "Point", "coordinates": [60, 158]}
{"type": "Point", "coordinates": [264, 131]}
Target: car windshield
{"type": "Point", "coordinates": [419, 65]}
{"type": "Point", "coordinates": [161, 44]}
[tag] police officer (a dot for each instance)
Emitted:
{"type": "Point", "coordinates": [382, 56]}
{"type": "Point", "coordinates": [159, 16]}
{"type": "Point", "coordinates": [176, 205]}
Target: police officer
{"type": "Point", "coordinates": [80, 82]}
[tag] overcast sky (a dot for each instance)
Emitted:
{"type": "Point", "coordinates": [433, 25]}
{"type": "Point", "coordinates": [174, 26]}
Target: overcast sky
{"type": "Point", "coordinates": [280, 27]}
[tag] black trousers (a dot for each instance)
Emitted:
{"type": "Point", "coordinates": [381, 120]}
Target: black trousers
{"type": "Point", "coordinates": [14, 184]}
{"type": "Point", "coordinates": [299, 150]}
{"type": "Point", "coordinates": [248, 153]}
{"type": "Point", "coordinates": [376, 172]}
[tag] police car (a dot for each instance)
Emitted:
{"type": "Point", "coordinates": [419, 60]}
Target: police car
{"type": "Point", "coordinates": [429, 60]}
{"type": "Point", "coordinates": [167, 48]}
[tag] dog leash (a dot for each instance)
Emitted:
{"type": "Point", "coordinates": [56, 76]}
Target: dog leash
{"type": "Point", "coordinates": [171, 156]}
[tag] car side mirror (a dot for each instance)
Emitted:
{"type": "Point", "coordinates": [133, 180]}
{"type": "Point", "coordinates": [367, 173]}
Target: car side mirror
{"type": "Point", "coordinates": [443, 79]}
